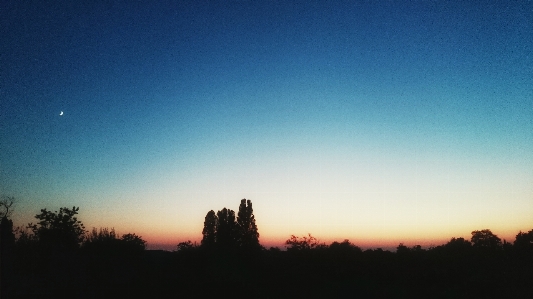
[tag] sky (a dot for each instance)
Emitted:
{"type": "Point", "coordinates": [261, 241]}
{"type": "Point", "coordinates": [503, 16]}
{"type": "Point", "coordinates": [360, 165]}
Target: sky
{"type": "Point", "coordinates": [375, 121]}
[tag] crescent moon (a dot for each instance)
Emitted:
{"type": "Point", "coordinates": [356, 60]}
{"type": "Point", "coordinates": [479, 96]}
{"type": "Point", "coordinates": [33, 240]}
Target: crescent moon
{"type": "Point", "coordinates": [61, 113]}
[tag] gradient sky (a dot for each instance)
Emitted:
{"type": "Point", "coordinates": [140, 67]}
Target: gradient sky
{"type": "Point", "coordinates": [375, 121]}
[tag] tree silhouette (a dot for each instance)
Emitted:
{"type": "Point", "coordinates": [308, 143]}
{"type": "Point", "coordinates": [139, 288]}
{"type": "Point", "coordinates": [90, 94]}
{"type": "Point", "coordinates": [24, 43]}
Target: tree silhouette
{"type": "Point", "coordinates": [457, 246]}
{"type": "Point", "coordinates": [186, 246]}
{"type": "Point", "coordinates": [485, 239]}
{"type": "Point", "coordinates": [227, 232]}
{"type": "Point", "coordinates": [248, 234]}
{"type": "Point", "coordinates": [103, 235]}
{"type": "Point", "coordinates": [402, 249]}
{"type": "Point", "coordinates": [132, 243]}
{"type": "Point", "coordinates": [101, 242]}
{"type": "Point", "coordinates": [524, 240]}
{"type": "Point", "coordinates": [106, 241]}
{"type": "Point", "coordinates": [5, 206]}
{"type": "Point", "coordinates": [304, 243]}
{"type": "Point", "coordinates": [59, 229]}
{"type": "Point", "coordinates": [7, 242]}
{"type": "Point", "coordinates": [458, 243]}
{"type": "Point", "coordinates": [7, 237]}
{"type": "Point", "coordinates": [210, 230]}
{"type": "Point", "coordinates": [223, 231]}
{"type": "Point", "coordinates": [344, 247]}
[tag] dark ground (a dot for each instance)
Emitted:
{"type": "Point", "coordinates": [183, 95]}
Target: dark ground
{"type": "Point", "coordinates": [316, 273]}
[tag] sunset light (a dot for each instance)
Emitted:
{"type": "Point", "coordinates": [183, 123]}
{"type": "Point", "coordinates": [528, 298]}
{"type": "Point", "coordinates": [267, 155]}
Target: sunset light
{"type": "Point", "coordinates": [375, 121]}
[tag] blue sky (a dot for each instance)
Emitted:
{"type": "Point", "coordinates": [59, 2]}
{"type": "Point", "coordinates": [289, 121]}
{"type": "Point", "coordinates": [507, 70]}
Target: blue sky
{"type": "Point", "coordinates": [376, 121]}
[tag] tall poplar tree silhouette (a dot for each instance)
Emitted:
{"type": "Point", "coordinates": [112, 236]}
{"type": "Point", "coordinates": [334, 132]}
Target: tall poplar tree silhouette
{"type": "Point", "coordinates": [227, 233]}
{"type": "Point", "coordinates": [223, 231]}
{"type": "Point", "coordinates": [210, 230]}
{"type": "Point", "coordinates": [248, 234]}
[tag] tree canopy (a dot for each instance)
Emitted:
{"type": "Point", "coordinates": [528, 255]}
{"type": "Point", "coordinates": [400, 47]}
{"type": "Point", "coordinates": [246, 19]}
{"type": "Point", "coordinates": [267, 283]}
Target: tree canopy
{"type": "Point", "coordinates": [248, 234]}
{"type": "Point", "coordinates": [106, 240]}
{"type": "Point", "coordinates": [485, 239]}
{"type": "Point", "coordinates": [304, 243]}
{"type": "Point", "coordinates": [6, 204]}
{"type": "Point", "coordinates": [7, 237]}
{"type": "Point", "coordinates": [61, 229]}
{"type": "Point", "coordinates": [524, 240]}
{"type": "Point", "coordinates": [225, 231]}
{"type": "Point", "coordinates": [210, 229]}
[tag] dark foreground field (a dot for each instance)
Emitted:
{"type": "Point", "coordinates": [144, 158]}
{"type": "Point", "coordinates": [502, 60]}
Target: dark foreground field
{"type": "Point", "coordinates": [58, 258]}
{"type": "Point", "coordinates": [335, 271]}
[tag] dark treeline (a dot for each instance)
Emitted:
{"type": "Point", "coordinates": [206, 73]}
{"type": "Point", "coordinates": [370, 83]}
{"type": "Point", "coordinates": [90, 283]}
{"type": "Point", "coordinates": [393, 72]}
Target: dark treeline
{"type": "Point", "coordinates": [58, 258]}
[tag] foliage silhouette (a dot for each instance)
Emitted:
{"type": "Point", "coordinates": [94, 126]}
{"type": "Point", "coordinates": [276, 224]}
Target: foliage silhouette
{"type": "Point", "coordinates": [308, 268]}
{"type": "Point", "coordinates": [302, 243]}
{"type": "Point", "coordinates": [7, 235]}
{"type": "Point", "coordinates": [524, 241]}
{"type": "Point", "coordinates": [402, 249]}
{"type": "Point", "coordinates": [485, 239]}
{"type": "Point", "coordinates": [458, 244]}
{"type": "Point", "coordinates": [227, 230]}
{"type": "Point", "coordinates": [107, 241]}
{"type": "Point", "coordinates": [112, 261]}
{"type": "Point", "coordinates": [222, 231]}
{"type": "Point", "coordinates": [6, 204]}
{"type": "Point", "coordinates": [248, 234]}
{"type": "Point", "coordinates": [49, 250]}
{"type": "Point", "coordinates": [133, 243]}
{"type": "Point", "coordinates": [7, 242]}
{"type": "Point", "coordinates": [61, 229]}
{"type": "Point", "coordinates": [103, 240]}
{"type": "Point", "coordinates": [186, 246]}
{"type": "Point", "coordinates": [344, 247]}
{"type": "Point", "coordinates": [210, 230]}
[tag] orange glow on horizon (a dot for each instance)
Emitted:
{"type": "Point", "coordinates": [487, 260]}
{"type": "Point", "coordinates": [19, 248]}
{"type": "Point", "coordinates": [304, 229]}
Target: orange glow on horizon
{"type": "Point", "coordinates": [168, 241]}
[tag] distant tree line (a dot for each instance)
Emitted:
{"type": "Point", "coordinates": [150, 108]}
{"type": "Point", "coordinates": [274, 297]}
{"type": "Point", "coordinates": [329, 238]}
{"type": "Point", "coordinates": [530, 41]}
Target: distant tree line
{"type": "Point", "coordinates": [57, 257]}
{"type": "Point", "coordinates": [62, 231]}
{"type": "Point", "coordinates": [483, 266]}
